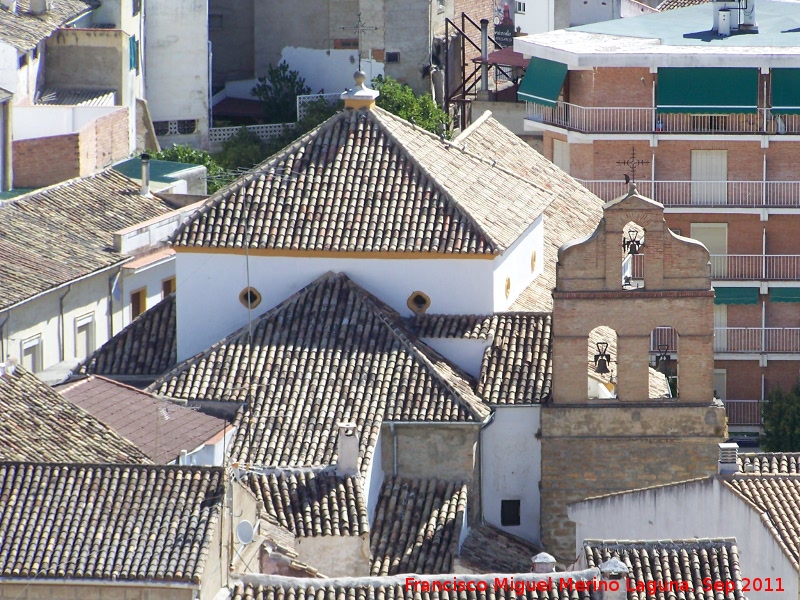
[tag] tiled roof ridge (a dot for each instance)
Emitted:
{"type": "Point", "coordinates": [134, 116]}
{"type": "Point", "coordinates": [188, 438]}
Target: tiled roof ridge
{"type": "Point", "coordinates": [473, 127]}
{"type": "Point", "coordinates": [663, 543]}
{"type": "Point", "coordinates": [645, 488]}
{"type": "Point", "coordinates": [475, 404]}
{"type": "Point", "coordinates": [290, 469]}
{"type": "Point", "coordinates": [101, 465]}
{"type": "Point", "coordinates": [82, 379]}
{"type": "Point", "coordinates": [377, 114]}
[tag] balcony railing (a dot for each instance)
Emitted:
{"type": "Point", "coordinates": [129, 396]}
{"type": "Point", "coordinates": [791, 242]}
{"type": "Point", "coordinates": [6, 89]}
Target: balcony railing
{"type": "Point", "coordinates": [743, 412]}
{"type": "Point", "coordinates": [741, 340]}
{"type": "Point", "coordinates": [725, 194]}
{"type": "Point", "coordinates": [770, 267]}
{"type": "Point", "coordinates": [618, 119]}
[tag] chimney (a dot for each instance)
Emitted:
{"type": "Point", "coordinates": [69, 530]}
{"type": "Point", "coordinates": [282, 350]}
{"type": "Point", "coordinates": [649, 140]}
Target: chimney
{"type": "Point", "coordinates": [728, 459]}
{"type": "Point", "coordinates": [348, 450]}
{"type": "Point", "coordinates": [9, 5]}
{"type": "Point", "coordinates": [360, 96]}
{"type": "Point", "coordinates": [184, 460]}
{"type": "Point", "coordinates": [145, 189]}
{"type": "Point", "coordinates": [543, 563]}
{"type": "Point", "coordinates": [39, 7]}
{"type": "Point", "coordinates": [613, 574]}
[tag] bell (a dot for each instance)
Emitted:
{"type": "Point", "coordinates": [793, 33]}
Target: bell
{"type": "Point", "coordinates": [663, 366]}
{"type": "Point", "coordinates": [602, 366]}
{"type": "Point", "coordinates": [633, 248]}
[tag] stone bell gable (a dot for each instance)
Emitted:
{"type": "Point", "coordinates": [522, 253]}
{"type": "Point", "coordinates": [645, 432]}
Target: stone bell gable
{"type": "Point", "coordinates": [668, 284]}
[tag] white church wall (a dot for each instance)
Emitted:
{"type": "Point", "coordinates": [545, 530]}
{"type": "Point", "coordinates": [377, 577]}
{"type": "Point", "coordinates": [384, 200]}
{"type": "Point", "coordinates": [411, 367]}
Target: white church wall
{"type": "Point", "coordinates": [697, 509]}
{"type": "Point", "coordinates": [519, 266]}
{"type": "Point", "coordinates": [209, 286]}
{"type": "Point", "coordinates": [467, 354]}
{"type": "Point", "coordinates": [511, 468]}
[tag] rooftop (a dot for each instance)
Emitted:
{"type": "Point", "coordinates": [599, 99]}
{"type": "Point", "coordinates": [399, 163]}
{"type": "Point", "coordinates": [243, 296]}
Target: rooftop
{"type": "Point", "coordinates": [159, 428]}
{"type": "Point", "coordinates": [674, 38]}
{"type": "Point", "coordinates": [487, 549]}
{"type": "Point", "coordinates": [39, 424]}
{"type": "Point", "coordinates": [125, 522]}
{"type": "Point", "coordinates": [24, 30]}
{"type": "Point", "coordinates": [68, 231]}
{"type": "Point", "coordinates": [76, 97]}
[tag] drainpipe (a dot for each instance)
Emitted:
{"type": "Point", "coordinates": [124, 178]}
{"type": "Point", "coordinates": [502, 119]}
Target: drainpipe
{"type": "Point", "coordinates": [394, 450]}
{"type": "Point", "coordinates": [2, 335]}
{"type": "Point", "coordinates": [62, 340]}
{"type": "Point", "coordinates": [112, 283]}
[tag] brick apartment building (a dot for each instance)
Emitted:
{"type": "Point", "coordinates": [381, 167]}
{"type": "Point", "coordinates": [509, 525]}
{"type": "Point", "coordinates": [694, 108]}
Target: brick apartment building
{"type": "Point", "coordinates": [701, 107]}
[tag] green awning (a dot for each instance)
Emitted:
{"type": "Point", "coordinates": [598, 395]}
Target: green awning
{"type": "Point", "coordinates": [736, 295]}
{"type": "Point", "coordinates": [784, 294]}
{"type": "Point", "coordinates": [785, 91]}
{"type": "Point", "coordinates": [542, 82]}
{"type": "Point", "coordinates": [711, 90]}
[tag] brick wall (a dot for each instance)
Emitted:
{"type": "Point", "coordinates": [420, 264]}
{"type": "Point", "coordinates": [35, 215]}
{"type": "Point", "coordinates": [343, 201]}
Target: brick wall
{"type": "Point", "coordinates": [611, 87]}
{"type": "Point", "coordinates": [104, 141]}
{"type": "Point", "coordinates": [431, 451]}
{"type": "Point", "coordinates": [44, 161]}
{"type": "Point", "coordinates": [743, 379]}
{"type": "Point", "coordinates": [594, 450]}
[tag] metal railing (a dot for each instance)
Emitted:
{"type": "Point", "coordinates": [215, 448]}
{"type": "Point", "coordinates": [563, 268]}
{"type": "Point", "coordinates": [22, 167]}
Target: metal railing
{"type": "Point", "coordinates": [632, 119]}
{"type": "Point", "coordinates": [743, 412]}
{"type": "Point", "coordinates": [741, 194]}
{"type": "Point", "coordinates": [664, 336]}
{"type": "Point", "coordinates": [752, 340]}
{"type": "Point", "coordinates": [770, 267]}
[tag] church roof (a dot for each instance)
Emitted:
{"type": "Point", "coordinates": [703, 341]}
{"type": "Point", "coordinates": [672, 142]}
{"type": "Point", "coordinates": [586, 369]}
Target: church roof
{"type": "Point", "coordinates": [330, 353]}
{"type": "Point", "coordinates": [368, 181]}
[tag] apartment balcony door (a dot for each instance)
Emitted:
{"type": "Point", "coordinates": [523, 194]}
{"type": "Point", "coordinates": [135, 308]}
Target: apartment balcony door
{"type": "Point", "coordinates": [720, 327]}
{"type": "Point", "coordinates": [715, 237]}
{"type": "Point", "coordinates": [721, 384]}
{"type": "Point", "coordinates": [709, 177]}
{"type": "Point", "coordinates": [561, 155]}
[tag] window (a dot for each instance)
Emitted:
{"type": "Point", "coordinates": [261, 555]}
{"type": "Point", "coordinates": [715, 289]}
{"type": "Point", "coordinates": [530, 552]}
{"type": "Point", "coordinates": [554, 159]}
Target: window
{"type": "Point", "coordinates": [23, 60]}
{"type": "Point", "coordinates": [509, 513]}
{"type": "Point", "coordinates": [520, 7]}
{"type": "Point", "coordinates": [709, 177]}
{"type": "Point", "coordinates": [419, 302]}
{"type": "Point", "coordinates": [714, 236]}
{"type": "Point", "coordinates": [161, 127]}
{"type": "Point", "coordinates": [392, 57]}
{"type": "Point", "coordinates": [138, 302]}
{"type": "Point", "coordinates": [214, 22]}
{"type": "Point", "coordinates": [84, 336]}
{"type": "Point", "coordinates": [250, 297]}
{"type": "Point", "coordinates": [186, 126]}
{"type": "Point", "coordinates": [133, 49]}
{"type": "Point", "coordinates": [440, 6]}
{"type": "Point", "coordinates": [137, 7]}
{"type": "Point", "coordinates": [561, 155]}
{"type": "Point", "coordinates": [32, 354]}
{"type": "Point", "coordinates": [167, 287]}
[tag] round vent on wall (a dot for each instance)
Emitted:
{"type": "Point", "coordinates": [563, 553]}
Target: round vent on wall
{"type": "Point", "coordinates": [250, 297]}
{"type": "Point", "coordinates": [419, 302]}
{"type": "Point", "coordinates": [245, 532]}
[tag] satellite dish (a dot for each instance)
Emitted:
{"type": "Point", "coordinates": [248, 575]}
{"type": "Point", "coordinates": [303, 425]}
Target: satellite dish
{"type": "Point", "coordinates": [245, 532]}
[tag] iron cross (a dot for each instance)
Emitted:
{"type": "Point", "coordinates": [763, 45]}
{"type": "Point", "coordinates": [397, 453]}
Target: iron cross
{"type": "Point", "coordinates": [359, 28]}
{"type": "Point", "coordinates": [632, 163]}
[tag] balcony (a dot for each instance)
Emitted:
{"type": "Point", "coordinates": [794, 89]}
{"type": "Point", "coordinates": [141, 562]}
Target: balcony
{"type": "Point", "coordinates": [705, 194]}
{"type": "Point", "coordinates": [615, 119]}
{"type": "Point", "coordinates": [737, 340]}
{"type": "Point", "coordinates": [743, 412]}
{"type": "Point", "coordinates": [749, 267]}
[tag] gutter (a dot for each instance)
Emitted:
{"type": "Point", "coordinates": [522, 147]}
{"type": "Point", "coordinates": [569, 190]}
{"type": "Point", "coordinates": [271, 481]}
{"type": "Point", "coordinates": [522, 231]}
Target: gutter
{"type": "Point", "coordinates": [62, 328]}
{"type": "Point", "coordinates": [2, 338]}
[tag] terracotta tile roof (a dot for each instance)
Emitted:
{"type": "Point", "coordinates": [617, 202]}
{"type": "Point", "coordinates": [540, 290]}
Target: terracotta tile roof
{"type": "Point", "coordinates": [774, 463]}
{"type": "Point", "coordinates": [665, 561]}
{"type": "Point", "coordinates": [671, 4]}
{"type": "Point", "coordinates": [313, 502]}
{"type": "Point", "coordinates": [38, 424]}
{"type": "Point", "coordinates": [779, 497]}
{"type": "Point", "coordinates": [68, 231]}
{"type": "Point", "coordinates": [518, 367]}
{"type": "Point", "coordinates": [148, 346]}
{"type": "Point", "coordinates": [570, 211]}
{"type": "Point", "coordinates": [159, 428]}
{"type": "Point", "coordinates": [23, 30]}
{"type": "Point", "coordinates": [490, 550]}
{"type": "Point", "coordinates": [107, 522]}
{"type": "Point", "coordinates": [472, 327]}
{"type": "Point", "coordinates": [367, 181]}
{"type": "Point", "coordinates": [417, 526]}
{"type": "Point", "coordinates": [330, 353]}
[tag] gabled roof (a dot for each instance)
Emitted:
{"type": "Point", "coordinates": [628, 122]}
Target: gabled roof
{"type": "Point", "coordinates": [770, 463]}
{"type": "Point", "coordinates": [313, 502]}
{"type": "Point", "coordinates": [159, 428]}
{"type": "Point", "coordinates": [330, 353]}
{"type": "Point", "coordinates": [367, 181]}
{"type": "Point", "coordinates": [38, 424]}
{"type": "Point", "coordinates": [417, 526]}
{"type": "Point", "coordinates": [147, 347]}
{"type": "Point", "coordinates": [107, 522]}
{"type": "Point", "coordinates": [23, 30]}
{"type": "Point", "coordinates": [666, 563]}
{"type": "Point", "coordinates": [487, 549]}
{"type": "Point", "coordinates": [57, 234]}
{"type": "Point", "coordinates": [570, 210]}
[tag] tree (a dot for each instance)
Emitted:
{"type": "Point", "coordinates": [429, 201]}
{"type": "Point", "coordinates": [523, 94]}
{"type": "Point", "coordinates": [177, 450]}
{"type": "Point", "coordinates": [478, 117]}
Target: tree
{"type": "Point", "coordinates": [399, 99]}
{"type": "Point", "coordinates": [279, 91]}
{"type": "Point", "coordinates": [215, 174]}
{"type": "Point", "coordinates": [242, 150]}
{"type": "Point", "coordinates": [781, 418]}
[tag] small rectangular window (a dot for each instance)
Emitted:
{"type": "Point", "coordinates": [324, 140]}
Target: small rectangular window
{"type": "Point", "coordinates": [134, 53]}
{"type": "Point", "coordinates": [84, 336]}
{"type": "Point", "coordinates": [138, 302]}
{"type": "Point", "coordinates": [509, 512]}
{"type": "Point", "coordinates": [32, 354]}
{"type": "Point", "coordinates": [137, 7]}
{"type": "Point", "coordinates": [392, 57]}
{"type": "Point", "coordinates": [520, 7]}
{"type": "Point", "coordinates": [167, 287]}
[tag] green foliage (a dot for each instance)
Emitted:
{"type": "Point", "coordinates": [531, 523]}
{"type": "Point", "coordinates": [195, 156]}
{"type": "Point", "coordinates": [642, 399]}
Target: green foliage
{"type": "Point", "coordinates": [315, 113]}
{"type": "Point", "coordinates": [279, 91]}
{"type": "Point", "coordinates": [781, 417]}
{"type": "Point", "coordinates": [215, 174]}
{"type": "Point", "coordinates": [399, 99]}
{"type": "Point", "coordinates": [242, 151]}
